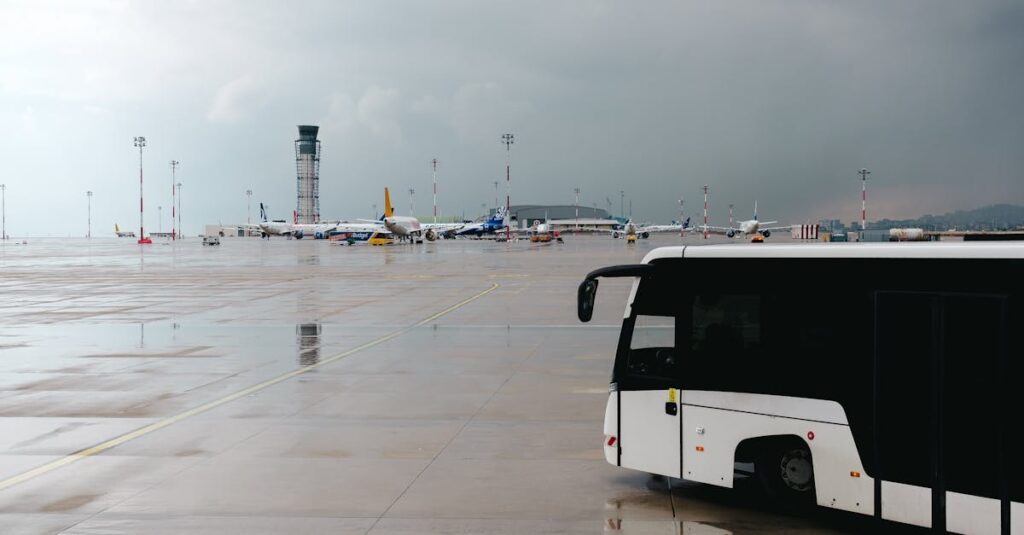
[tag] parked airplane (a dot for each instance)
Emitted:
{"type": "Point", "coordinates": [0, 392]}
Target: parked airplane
{"type": "Point", "coordinates": [408, 227]}
{"type": "Point", "coordinates": [123, 233]}
{"type": "Point", "coordinates": [748, 227]}
{"type": "Point", "coordinates": [280, 227]}
{"type": "Point", "coordinates": [644, 231]}
{"type": "Point", "coordinates": [489, 226]}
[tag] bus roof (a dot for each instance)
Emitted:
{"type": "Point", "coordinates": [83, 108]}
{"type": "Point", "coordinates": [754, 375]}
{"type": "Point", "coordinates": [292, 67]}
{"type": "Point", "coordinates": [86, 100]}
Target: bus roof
{"type": "Point", "coordinates": [967, 250]}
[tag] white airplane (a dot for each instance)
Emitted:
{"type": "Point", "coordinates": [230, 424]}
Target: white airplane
{"type": "Point", "coordinates": [280, 227]}
{"type": "Point", "coordinates": [748, 227]}
{"type": "Point", "coordinates": [123, 233]}
{"type": "Point", "coordinates": [645, 231]}
{"type": "Point", "coordinates": [410, 228]}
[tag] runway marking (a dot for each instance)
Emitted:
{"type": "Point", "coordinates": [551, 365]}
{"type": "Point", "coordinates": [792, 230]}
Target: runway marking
{"type": "Point", "coordinates": [156, 426]}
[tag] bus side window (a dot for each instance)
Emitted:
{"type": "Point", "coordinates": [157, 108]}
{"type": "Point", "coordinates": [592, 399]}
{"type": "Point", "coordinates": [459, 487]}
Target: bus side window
{"type": "Point", "coordinates": [652, 347]}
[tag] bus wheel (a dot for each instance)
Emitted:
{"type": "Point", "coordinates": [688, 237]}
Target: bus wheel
{"type": "Point", "coordinates": [786, 472]}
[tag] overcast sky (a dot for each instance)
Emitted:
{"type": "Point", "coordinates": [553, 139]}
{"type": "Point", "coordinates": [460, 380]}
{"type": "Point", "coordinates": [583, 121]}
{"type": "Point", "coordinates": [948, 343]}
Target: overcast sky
{"type": "Point", "coordinates": [776, 101]}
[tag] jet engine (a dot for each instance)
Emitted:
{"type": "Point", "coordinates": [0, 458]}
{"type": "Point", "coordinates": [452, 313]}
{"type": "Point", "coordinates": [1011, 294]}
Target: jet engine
{"type": "Point", "coordinates": [297, 234]}
{"type": "Point", "coordinates": [766, 233]}
{"type": "Point", "coordinates": [430, 234]}
{"type": "Point", "coordinates": [731, 233]}
{"type": "Point", "coordinates": [616, 235]}
{"type": "Point", "coordinates": [318, 235]}
{"type": "Point", "coordinates": [645, 235]}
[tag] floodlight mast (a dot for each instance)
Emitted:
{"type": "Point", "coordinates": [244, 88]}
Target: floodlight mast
{"type": "Point", "coordinates": [88, 196]}
{"type": "Point", "coordinates": [433, 164]}
{"type": "Point", "coordinates": [863, 198]}
{"type": "Point", "coordinates": [140, 142]}
{"type": "Point", "coordinates": [508, 140]}
{"type": "Point", "coordinates": [174, 167]}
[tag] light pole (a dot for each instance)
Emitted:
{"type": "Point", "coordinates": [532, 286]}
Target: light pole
{"type": "Point", "coordinates": [412, 211]}
{"type": "Point", "coordinates": [577, 190]}
{"type": "Point", "coordinates": [174, 167]}
{"type": "Point", "coordinates": [863, 198]}
{"type": "Point", "coordinates": [622, 203]}
{"type": "Point", "coordinates": [88, 196]}
{"type": "Point", "coordinates": [495, 194]}
{"type": "Point", "coordinates": [374, 211]}
{"type": "Point", "coordinates": [434, 165]}
{"type": "Point", "coordinates": [682, 231]}
{"type": "Point", "coordinates": [248, 207]}
{"type": "Point", "coordinates": [140, 142]}
{"type": "Point", "coordinates": [3, 211]}
{"type": "Point", "coordinates": [706, 212]}
{"type": "Point", "coordinates": [730, 215]}
{"type": "Point", "coordinates": [508, 140]}
{"type": "Point", "coordinates": [179, 210]}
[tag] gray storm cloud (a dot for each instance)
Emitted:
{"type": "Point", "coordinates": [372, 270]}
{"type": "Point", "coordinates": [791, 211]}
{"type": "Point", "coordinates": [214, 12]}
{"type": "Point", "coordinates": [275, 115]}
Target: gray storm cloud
{"type": "Point", "coordinates": [779, 102]}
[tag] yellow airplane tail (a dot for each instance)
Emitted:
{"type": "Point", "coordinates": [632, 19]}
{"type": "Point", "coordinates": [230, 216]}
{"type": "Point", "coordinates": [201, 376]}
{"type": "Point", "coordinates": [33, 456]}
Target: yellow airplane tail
{"type": "Point", "coordinates": [387, 204]}
{"type": "Point", "coordinates": [116, 228]}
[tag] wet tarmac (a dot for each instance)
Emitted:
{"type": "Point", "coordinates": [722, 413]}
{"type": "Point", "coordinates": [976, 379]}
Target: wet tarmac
{"type": "Point", "coordinates": [291, 386]}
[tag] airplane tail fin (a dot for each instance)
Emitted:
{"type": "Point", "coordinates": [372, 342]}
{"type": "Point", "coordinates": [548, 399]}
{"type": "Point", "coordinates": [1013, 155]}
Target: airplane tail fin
{"type": "Point", "coordinates": [116, 228]}
{"type": "Point", "coordinates": [295, 217]}
{"type": "Point", "coordinates": [387, 204]}
{"type": "Point", "coordinates": [755, 210]}
{"type": "Point", "coordinates": [686, 224]}
{"type": "Point", "coordinates": [263, 213]}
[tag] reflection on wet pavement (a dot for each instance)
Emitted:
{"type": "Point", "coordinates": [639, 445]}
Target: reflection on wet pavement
{"type": "Point", "coordinates": [294, 386]}
{"type": "Point", "coordinates": [309, 343]}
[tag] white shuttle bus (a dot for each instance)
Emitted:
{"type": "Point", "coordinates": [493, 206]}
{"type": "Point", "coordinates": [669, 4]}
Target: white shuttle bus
{"type": "Point", "coordinates": [880, 379]}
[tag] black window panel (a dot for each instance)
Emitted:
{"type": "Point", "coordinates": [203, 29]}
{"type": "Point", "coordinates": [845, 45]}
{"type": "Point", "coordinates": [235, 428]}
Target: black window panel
{"type": "Point", "coordinates": [904, 348]}
{"type": "Point", "coordinates": [971, 351]}
{"type": "Point", "coordinates": [1013, 399]}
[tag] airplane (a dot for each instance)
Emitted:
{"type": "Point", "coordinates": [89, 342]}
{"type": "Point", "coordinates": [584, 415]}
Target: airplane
{"type": "Point", "coordinates": [410, 228]}
{"type": "Point", "coordinates": [489, 226]}
{"type": "Point", "coordinates": [644, 231]}
{"type": "Point", "coordinates": [280, 227]}
{"type": "Point", "coordinates": [542, 233]}
{"type": "Point", "coordinates": [123, 233]}
{"type": "Point", "coordinates": [748, 227]}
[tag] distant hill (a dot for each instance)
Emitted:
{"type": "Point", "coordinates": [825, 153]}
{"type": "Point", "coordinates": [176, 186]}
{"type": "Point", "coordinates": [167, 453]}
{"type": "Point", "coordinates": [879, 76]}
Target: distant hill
{"type": "Point", "coordinates": [994, 217]}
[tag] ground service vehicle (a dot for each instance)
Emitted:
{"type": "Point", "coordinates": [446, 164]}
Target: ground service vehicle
{"type": "Point", "coordinates": [876, 378]}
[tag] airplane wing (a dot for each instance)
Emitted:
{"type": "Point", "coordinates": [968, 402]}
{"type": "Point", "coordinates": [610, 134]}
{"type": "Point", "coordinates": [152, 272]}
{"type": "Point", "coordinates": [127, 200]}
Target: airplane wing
{"type": "Point", "coordinates": [716, 230]}
{"type": "Point", "coordinates": [442, 227]}
{"type": "Point", "coordinates": [787, 227]}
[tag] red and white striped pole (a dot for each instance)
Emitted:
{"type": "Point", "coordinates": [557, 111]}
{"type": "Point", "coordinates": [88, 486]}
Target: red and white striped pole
{"type": "Point", "coordinates": [140, 142]}
{"type": "Point", "coordinates": [705, 211]}
{"type": "Point", "coordinates": [174, 166]}
{"type": "Point", "coordinates": [863, 198]}
{"type": "Point", "coordinates": [434, 163]}
{"type": "Point", "coordinates": [508, 139]}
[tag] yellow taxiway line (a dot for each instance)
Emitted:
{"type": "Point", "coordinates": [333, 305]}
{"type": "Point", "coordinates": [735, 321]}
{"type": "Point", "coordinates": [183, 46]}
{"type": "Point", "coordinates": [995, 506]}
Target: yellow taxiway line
{"type": "Point", "coordinates": [171, 420]}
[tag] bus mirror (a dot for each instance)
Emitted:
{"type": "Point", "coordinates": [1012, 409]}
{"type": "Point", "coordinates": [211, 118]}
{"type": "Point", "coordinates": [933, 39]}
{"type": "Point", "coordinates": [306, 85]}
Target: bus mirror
{"type": "Point", "coordinates": [585, 299]}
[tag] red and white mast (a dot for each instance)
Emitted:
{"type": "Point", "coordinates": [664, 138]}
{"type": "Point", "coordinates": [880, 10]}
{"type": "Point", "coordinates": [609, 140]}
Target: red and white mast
{"type": "Point", "coordinates": [863, 198]}
{"type": "Point", "coordinates": [433, 163]}
{"type": "Point", "coordinates": [508, 139]}
{"type": "Point", "coordinates": [705, 211]}
{"type": "Point", "coordinates": [174, 167]}
{"type": "Point", "coordinates": [140, 142]}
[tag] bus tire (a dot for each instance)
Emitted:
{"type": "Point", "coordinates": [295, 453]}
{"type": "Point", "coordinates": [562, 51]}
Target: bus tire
{"type": "Point", "coordinates": [786, 471]}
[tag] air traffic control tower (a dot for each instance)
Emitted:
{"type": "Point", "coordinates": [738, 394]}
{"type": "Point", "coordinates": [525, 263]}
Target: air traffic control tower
{"type": "Point", "coordinates": [307, 164]}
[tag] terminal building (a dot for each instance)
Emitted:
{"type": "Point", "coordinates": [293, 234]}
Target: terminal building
{"type": "Point", "coordinates": [560, 215]}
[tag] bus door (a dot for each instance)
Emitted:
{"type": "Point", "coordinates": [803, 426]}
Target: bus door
{"type": "Point", "coordinates": [649, 415]}
{"type": "Point", "coordinates": [940, 422]}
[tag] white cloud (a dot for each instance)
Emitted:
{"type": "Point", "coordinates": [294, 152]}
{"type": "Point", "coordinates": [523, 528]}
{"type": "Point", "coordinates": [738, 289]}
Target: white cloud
{"type": "Point", "coordinates": [378, 110]}
{"type": "Point", "coordinates": [237, 100]}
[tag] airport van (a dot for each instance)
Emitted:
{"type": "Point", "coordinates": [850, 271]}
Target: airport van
{"type": "Point", "coordinates": [882, 379]}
